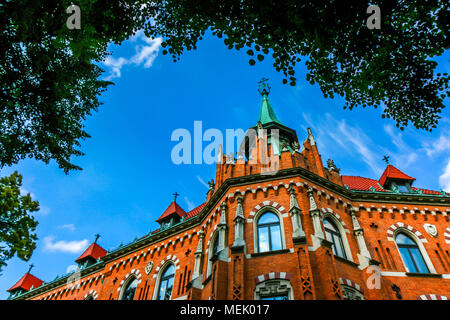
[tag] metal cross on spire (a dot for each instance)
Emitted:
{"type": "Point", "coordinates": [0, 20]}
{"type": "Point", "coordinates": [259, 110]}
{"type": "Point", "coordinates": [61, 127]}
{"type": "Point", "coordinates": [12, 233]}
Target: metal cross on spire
{"type": "Point", "coordinates": [31, 267]}
{"type": "Point", "coordinates": [263, 86]}
{"type": "Point", "coordinates": [386, 159]}
{"type": "Point", "coordinates": [96, 237]}
{"type": "Point", "coordinates": [175, 195]}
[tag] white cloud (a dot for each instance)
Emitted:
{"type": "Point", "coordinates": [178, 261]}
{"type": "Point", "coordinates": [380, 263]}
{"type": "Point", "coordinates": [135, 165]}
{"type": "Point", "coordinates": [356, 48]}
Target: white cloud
{"type": "Point", "coordinates": [146, 54]}
{"type": "Point", "coordinates": [115, 66]}
{"type": "Point", "coordinates": [441, 145]}
{"type": "Point", "coordinates": [72, 268]}
{"type": "Point", "coordinates": [444, 179]}
{"type": "Point", "coordinates": [361, 142]}
{"type": "Point", "coordinates": [330, 132]}
{"type": "Point", "coordinates": [405, 155]}
{"type": "Point", "coordinates": [190, 204]}
{"type": "Point", "coordinates": [24, 192]}
{"type": "Point", "coordinates": [43, 210]}
{"type": "Point", "coordinates": [64, 246]}
{"type": "Point", "coordinates": [70, 227]}
{"type": "Point", "coordinates": [202, 182]}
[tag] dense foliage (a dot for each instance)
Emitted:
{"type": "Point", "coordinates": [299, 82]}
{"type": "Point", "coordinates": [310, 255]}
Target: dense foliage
{"type": "Point", "coordinates": [17, 226]}
{"type": "Point", "coordinates": [50, 78]}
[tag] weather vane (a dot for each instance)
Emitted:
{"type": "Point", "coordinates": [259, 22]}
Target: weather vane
{"type": "Point", "coordinates": [175, 195]}
{"type": "Point", "coordinates": [386, 159]}
{"type": "Point", "coordinates": [96, 237]}
{"type": "Point", "coordinates": [264, 86]}
{"type": "Point", "coordinates": [31, 267]}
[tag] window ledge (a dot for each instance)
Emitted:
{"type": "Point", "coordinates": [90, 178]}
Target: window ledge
{"type": "Point", "coordinates": [354, 264]}
{"type": "Point", "coordinates": [269, 253]}
{"type": "Point", "coordinates": [424, 275]}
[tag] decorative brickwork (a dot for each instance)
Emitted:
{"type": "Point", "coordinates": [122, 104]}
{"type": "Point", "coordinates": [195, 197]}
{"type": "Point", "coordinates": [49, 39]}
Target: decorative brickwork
{"type": "Point", "coordinates": [368, 215]}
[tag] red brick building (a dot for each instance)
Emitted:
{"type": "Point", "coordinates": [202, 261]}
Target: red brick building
{"type": "Point", "coordinates": [285, 228]}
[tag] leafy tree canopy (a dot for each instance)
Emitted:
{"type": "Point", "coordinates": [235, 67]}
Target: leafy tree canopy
{"type": "Point", "coordinates": [49, 75]}
{"type": "Point", "coordinates": [17, 226]}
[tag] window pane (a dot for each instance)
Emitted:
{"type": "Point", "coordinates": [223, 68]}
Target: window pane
{"type": "Point", "coordinates": [329, 225]}
{"type": "Point", "coordinates": [130, 290]}
{"type": "Point", "coordinates": [402, 188]}
{"type": "Point", "coordinates": [169, 289]}
{"type": "Point", "coordinates": [407, 259]}
{"type": "Point", "coordinates": [216, 245]}
{"type": "Point", "coordinates": [263, 235]}
{"type": "Point", "coordinates": [169, 271]}
{"type": "Point", "coordinates": [418, 259]}
{"type": "Point", "coordinates": [162, 290]}
{"type": "Point", "coordinates": [284, 297]}
{"type": "Point", "coordinates": [338, 247]}
{"type": "Point", "coordinates": [275, 234]}
{"type": "Point", "coordinates": [328, 235]}
{"type": "Point", "coordinates": [268, 217]}
{"type": "Point", "coordinates": [404, 239]}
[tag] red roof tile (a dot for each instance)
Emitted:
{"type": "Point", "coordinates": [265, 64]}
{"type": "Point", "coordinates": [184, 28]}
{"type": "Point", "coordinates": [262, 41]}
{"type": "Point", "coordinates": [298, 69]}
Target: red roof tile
{"type": "Point", "coordinates": [392, 172]}
{"type": "Point", "coordinates": [173, 208]}
{"type": "Point", "coordinates": [26, 282]}
{"type": "Point", "coordinates": [363, 184]}
{"type": "Point", "coordinates": [188, 215]}
{"type": "Point", "coordinates": [195, 211]}
{"type": "Point", "coordinates": [426, 191]}
{"type": "Point", "coordinates": [93, 251]}
{"type": "Point", "coordinates": [360, 183]}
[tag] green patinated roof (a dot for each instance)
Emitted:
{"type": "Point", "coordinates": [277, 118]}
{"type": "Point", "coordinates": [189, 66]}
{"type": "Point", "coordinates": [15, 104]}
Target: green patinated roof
{"type": "Point", "coordinates": [267, 114]}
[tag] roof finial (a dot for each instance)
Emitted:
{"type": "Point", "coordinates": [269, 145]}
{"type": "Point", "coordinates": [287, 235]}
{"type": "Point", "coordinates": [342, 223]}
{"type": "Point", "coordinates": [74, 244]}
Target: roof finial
{"type": "Point", "coordinates": [96, 237]}
{"type": "Point", "coordinates": [264, 88]}
{"type": "Point", "coordinates": [386, 158]}
{"type": "Point", "coordinates": [175, 195]}
{"type": "Point", "coordinates": [31, 267]}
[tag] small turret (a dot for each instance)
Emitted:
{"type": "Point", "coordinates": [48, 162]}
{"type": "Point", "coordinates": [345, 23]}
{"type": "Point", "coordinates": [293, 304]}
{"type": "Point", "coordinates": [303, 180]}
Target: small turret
{"type": "Point", "coordinates": [26, 283]}
{"type": "Point", "coordinates": [91, 255]}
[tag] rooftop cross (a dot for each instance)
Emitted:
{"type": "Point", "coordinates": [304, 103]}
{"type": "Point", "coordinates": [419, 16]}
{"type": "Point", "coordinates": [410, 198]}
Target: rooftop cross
{"type": "Point", "coordinates": [386, 158]}
{"type": "Point", "coordinates": [96, 237]}
{"type": "Point", "coordinates": [31, 267]}
{"type": "Point", "coordinates": [263, 86]}
{"type": "Point", "coordinates": [175, 195]}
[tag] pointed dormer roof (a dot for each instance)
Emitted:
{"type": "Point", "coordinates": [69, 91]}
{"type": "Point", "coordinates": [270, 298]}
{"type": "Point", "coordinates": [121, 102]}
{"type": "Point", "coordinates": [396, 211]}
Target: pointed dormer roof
{"type": "Point", "coordinates": [392, 172]}
{"type": "Point", "coordinates": [26, 283]}
{"type": "Point", "coordinates": [93, 251]}
{"type": "Point", "coordinates": [172, 209]}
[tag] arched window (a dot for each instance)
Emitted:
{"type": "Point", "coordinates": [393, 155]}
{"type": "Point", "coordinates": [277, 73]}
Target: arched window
{"type": "Point", "coordinates": [166, 283]}
{"type": "Point", "coordinates": [212, 253]}
{"type": "Point", "coordinates": [350, 293]}
{"type": "Point", "coordinates": [334, 236]}
{"type": "Point", "coordinates": [269, 232]}
{"type": "Point", "coordinates": [410, 253]}
{"type": "Point", "coordinates": [130, 289]}
{"type": "Point", "coordinates": [276, 289]}
{"type": "Point", "coordinates": [215, 245]}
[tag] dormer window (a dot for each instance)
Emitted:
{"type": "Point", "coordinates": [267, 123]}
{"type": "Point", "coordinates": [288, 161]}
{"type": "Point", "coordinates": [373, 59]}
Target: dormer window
{"type": "Point", "coordinates": [402, 188]}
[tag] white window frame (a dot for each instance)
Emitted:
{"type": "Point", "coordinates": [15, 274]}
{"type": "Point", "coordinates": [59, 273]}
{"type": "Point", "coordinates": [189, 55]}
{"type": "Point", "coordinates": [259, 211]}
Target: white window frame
{"type": "Point", "coordinates": [255, 227]}
{"type": "Point", "coordinates": [158, 279]}
{"type": "Point", "coordinates": [419, 243]}
{"type": "Point", "coordinates": [338, 224]}
{"type": "Point", "coordinates": [125, 286]}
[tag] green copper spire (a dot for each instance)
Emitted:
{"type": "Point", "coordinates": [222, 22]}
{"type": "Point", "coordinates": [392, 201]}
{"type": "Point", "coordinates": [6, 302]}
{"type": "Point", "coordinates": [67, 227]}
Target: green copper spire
{"type": "Point", "coordinates": [267, 114]}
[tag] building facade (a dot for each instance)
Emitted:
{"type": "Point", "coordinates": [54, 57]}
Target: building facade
{"type": "Point", "coordinates": [277, 224]}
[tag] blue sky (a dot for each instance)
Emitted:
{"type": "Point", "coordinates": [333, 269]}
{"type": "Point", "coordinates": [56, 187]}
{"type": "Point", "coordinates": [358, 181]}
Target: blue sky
{"type": "Point", "coordinates": [129, 178]}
